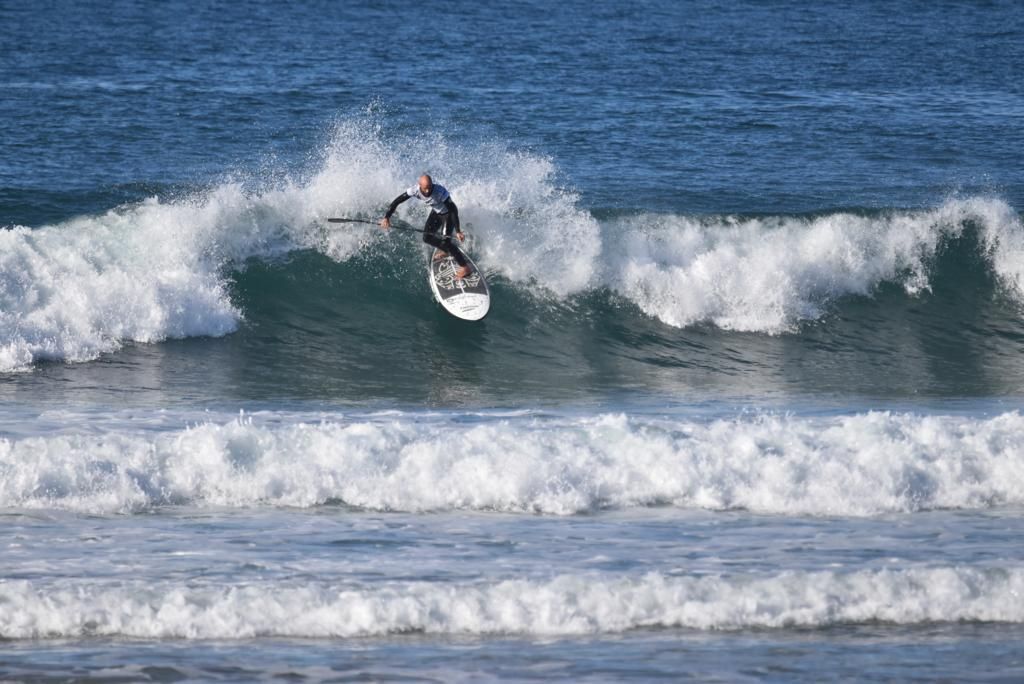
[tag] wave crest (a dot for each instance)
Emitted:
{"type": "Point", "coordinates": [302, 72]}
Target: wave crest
{"type": "Point", "coordinates": [768, 274]}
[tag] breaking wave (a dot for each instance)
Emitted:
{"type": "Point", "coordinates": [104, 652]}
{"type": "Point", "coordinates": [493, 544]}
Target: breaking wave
{"type": "Point", "coordinates": [165, 268]}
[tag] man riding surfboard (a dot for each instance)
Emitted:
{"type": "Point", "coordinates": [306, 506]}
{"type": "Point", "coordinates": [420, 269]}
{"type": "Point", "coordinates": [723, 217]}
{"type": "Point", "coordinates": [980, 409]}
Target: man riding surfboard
{"type": "Point", "coordinates": [444, 217]}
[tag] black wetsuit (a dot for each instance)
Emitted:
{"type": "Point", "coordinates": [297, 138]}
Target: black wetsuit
{"type": "Point", "coordinates": [446, 223]}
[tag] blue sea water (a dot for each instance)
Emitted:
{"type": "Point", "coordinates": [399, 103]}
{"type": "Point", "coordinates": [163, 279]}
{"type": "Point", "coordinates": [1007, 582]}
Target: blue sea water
{"type": "Point", "coordinates": [747, 406]}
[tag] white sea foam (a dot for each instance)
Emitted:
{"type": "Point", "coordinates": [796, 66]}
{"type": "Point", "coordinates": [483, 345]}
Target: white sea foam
{"type": "Point", "coordinates": [857, 465]}
{"type": "Point", "coordinates": [564, 605]}
{"type": "Point", "coordinates": [767, 274]}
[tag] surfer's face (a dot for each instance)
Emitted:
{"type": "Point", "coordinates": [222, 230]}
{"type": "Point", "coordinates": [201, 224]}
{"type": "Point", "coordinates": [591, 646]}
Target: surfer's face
{"type": "Point", "coordinates": [426, 186]}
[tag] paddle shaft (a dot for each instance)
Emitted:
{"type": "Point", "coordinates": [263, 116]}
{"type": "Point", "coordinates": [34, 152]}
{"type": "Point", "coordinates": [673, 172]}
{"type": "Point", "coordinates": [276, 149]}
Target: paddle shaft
{"type": "Point", "coordinates": [374, 223]}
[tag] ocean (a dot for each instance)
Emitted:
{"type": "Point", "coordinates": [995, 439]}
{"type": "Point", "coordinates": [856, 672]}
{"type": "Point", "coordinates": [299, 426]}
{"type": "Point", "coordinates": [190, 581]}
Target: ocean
{"type": "Point", "coordinates": [747, 406]}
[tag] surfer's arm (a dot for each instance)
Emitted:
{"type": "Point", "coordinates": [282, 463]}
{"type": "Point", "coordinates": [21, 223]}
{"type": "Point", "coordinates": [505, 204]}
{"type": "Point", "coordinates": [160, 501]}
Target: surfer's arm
{"type": "Point", "coordinates": [394, 204]}
{"type": "Point", "coordinates": [386, 221]}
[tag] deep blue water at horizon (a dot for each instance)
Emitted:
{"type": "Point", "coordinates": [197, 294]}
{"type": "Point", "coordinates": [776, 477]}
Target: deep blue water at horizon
{"type": "Point", "coordinates": [710, 107]}
{"type": "Point", "coordinates": [747, 406]}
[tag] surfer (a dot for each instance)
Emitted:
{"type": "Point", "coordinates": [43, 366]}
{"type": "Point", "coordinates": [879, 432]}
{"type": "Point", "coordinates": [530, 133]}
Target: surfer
{"type": "Point", "coordinates": [444, 217]}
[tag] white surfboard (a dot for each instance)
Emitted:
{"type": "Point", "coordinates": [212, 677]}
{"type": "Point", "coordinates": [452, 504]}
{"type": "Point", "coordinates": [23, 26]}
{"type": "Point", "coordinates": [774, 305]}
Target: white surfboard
{"type": "Point", "coordinates": [466, 298]}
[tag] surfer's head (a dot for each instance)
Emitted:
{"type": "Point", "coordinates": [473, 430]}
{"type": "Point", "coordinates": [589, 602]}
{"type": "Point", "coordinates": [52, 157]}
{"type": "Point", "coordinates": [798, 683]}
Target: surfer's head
{"type": "Point", "coordinates": [426, 184]}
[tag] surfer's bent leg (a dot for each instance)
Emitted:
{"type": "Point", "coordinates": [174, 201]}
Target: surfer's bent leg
{"type": "Point", "coordinates": [443, 241]}
{"type": "Point", "coordinates": [430, 229]}
{"type": "Point", "coordinates": [453, 249]}
{"type": "Point", "coordinates": [449, 244]}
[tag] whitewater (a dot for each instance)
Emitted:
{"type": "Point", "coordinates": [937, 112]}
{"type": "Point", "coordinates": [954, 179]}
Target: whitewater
{"type": "Point", "coordinates": [564, 605]}
{"type": "Point", "coordinates": [859, 465]}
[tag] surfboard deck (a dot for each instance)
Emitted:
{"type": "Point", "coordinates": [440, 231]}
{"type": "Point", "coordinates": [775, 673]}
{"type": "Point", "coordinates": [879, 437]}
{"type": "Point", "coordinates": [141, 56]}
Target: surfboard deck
{"type": "Point", "coordinates": [466, 298]}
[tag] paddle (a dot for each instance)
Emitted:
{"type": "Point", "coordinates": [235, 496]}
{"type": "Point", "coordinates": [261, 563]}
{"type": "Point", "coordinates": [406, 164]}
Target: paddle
{"type": "Point", "coordinates": [374, 223]}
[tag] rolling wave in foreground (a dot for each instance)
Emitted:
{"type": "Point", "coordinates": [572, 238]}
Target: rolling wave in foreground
{"type": "Point", "coordinates": [563, 605]}
{"type": "Point", "coordinates": [860, 465]}
{"type": "Point", "coordinates": [172, 268]}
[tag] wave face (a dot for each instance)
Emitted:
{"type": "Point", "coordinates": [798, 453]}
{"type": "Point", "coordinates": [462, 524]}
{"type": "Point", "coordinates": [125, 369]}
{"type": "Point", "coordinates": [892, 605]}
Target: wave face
{"type": "Point", "coordinates": [861, 465]}
{"type": "Point", "coordinates": [565, 605]}
{"type": "Point", "coordinates": [182, 267]}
